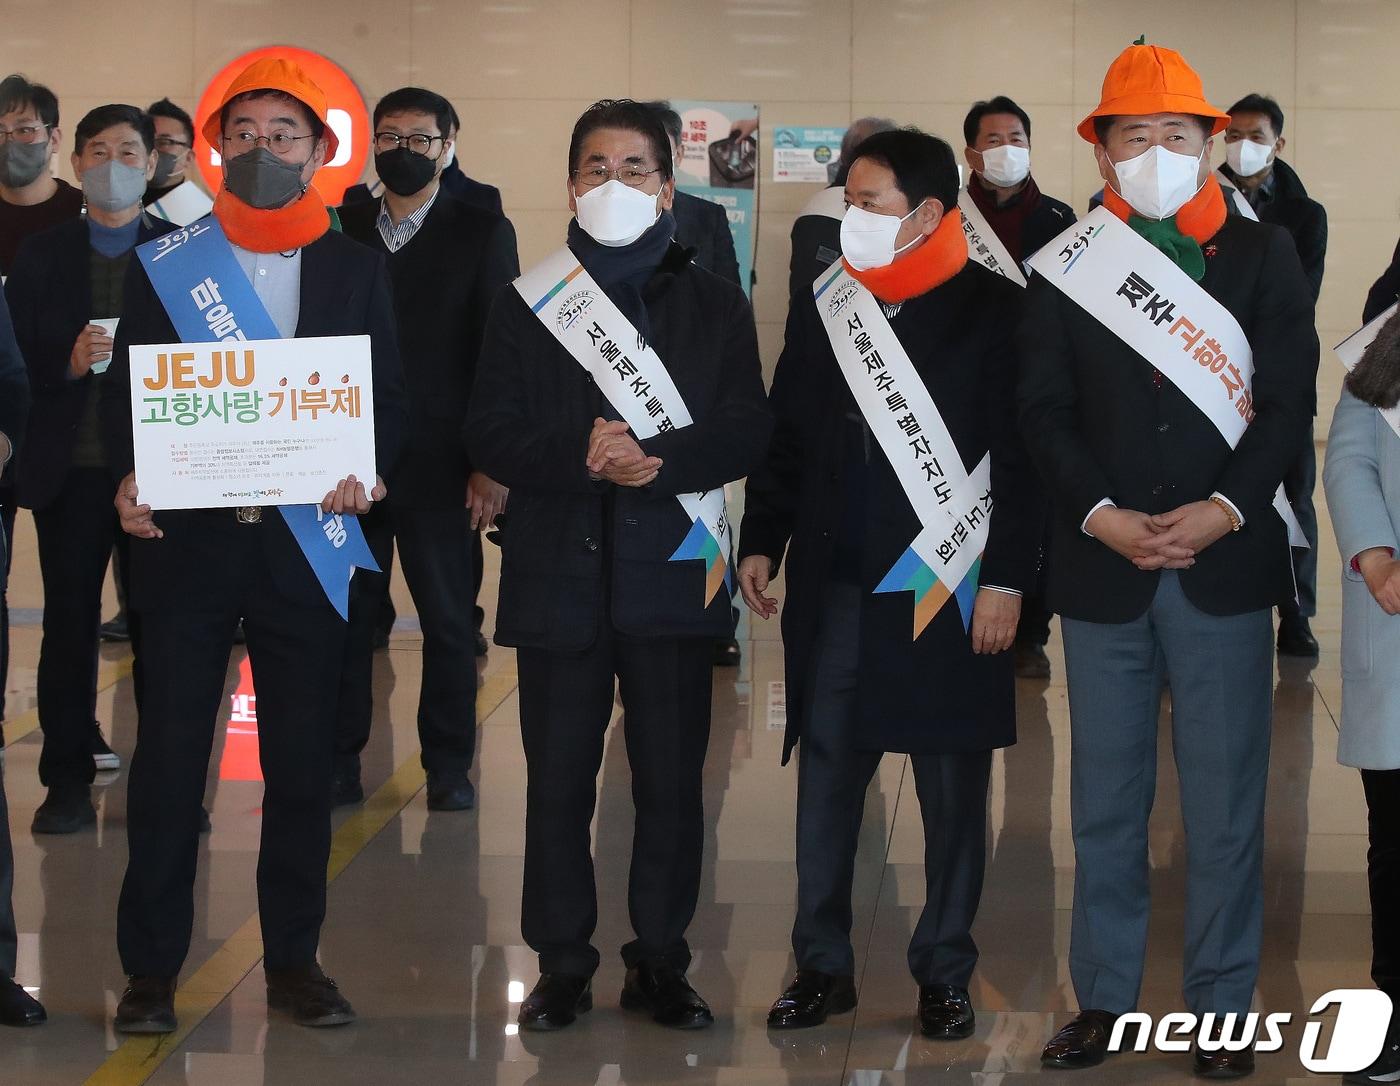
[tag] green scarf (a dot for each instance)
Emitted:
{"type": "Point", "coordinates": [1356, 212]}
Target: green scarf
{"type": "Point", "coordinates": [1184, 251]}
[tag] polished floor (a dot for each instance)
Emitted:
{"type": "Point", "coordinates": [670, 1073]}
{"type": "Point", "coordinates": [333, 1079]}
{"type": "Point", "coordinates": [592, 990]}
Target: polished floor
{"type": "Point", "coordinates": [423, 932]}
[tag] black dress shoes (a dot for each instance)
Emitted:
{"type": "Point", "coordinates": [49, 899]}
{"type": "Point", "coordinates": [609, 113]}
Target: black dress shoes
{"type": "Point", "coordinates": [65, 810]}
{"type": "Point", "coordinates": [555, 1001]}
{"type": "Point", "coordinates": [18, 1007]}
{"type": "Point", "coordinates": [810, 997]}
{"type": "Point", "coordinates": [449, 792]}
{"type": "Point", "coordinates": [945, 1012]}
{"type": "Point", "coordinates": [1082, 1043]}
{"type": "Point", "coordinates": [663, 992]}
{"type": "Point", "coordinates": [728, 653]}
{"type": "Point", "coordinates": [1031, 661]}
{"type": "Point", "coordinates": [309, 996]}
{"type": "Point", "coordinates": [147, 1006]}
{"type": "Point", "coordinates": [1222, 1064]}
{"type": "Point", "coordinates": [1295, 638]}
{"type": "Point", "coordinates": [346, 789]}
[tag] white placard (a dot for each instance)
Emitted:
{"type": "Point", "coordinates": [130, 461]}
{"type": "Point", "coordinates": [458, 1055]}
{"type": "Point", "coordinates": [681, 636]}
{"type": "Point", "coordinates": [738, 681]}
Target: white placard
{"type": "Point", "coordinates": [266, 422]}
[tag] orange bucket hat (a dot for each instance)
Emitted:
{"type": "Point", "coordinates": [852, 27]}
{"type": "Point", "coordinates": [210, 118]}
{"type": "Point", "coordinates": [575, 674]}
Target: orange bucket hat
{"type": "Point", "coordinates": [1147, 79]}
{"type": "Point", "coordinates": [274, 73]}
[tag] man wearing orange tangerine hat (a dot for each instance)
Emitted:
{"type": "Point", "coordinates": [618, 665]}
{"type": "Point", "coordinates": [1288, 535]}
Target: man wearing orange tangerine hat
{"type": "Point", "coordinates": [268, 256]}
{"type": "Point", "coordinates": [1167, 385]}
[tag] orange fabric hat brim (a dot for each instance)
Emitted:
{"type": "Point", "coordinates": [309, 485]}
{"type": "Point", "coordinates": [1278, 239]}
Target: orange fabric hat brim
{"type": "Point", "coordinates": [1144, 105]}
{"type": "Point", "coordinates": [273, 73]}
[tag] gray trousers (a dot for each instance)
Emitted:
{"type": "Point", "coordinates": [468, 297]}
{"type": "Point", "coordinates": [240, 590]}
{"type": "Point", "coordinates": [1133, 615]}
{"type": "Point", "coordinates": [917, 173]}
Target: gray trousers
{"type": "Point", "coordinates": [833, 778]}
{"type": "Point", "coordinates": [1220, 670]}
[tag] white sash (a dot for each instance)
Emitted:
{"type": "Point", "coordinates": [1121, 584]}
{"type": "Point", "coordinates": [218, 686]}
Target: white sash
{"type": "Point", "coordinates": [570, 303]}
{"type": "Point", "coordinates": [1242, 204]}
{"type": "Point", "coordinates": [1137, 293]}
{"type": "Point", "coordinates": [953, 505]}
{"type": "Point", "coordinates": [983, 245]}
{"type": "Point", "coordinates": [183, 204]}
{"type": "Point", "coordinates": [1354, 346]}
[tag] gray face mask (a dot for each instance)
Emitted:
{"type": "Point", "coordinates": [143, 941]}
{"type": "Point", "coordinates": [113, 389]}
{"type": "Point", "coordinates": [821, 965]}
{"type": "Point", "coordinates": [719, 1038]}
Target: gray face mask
{"type": "Point", "coordinates": [165, 167]}
{"type": "Point", "coordinates": [22, 163]}
{"type": "Point", "coordinates": [113, 186]}
{"type": "Point", "coordinates": [262, 180]}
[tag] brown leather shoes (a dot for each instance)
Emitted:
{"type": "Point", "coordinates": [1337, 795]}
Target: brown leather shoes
{"type": "Point", "coordinates": [309, 996]}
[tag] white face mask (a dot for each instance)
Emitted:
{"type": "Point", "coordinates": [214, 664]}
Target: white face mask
{"type": "Point", "coordinates": [1006, 166]}
{"type": "Point", "coordinates": [867, 239]}
{"type": "Point", "coordinates": [1247, 158]}
{"type": "Point", "coordinates": [1158, 183]}
{"type": "Point", "coordinates": [614, 214]}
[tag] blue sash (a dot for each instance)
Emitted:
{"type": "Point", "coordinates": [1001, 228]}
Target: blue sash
{"type": "Point", "coordinates": [208, 298]}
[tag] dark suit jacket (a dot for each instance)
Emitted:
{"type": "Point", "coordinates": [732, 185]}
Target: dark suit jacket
{"type": "Point", "coordinates": [703, 225]}
{"type": "Point", "coordinates": [454, 182]}
{"type": "Point", "coordinates": [816, 242]}
{"type": "Point", "coordinates": [932, 694]}
{"type": "Point", "coordinates": [14, 382]}
{"type": "Point", "coordinates": [570, 539]}
{"type": "Point", "coordinates": [1050, 218]}
{"type": "Point", "coordinates": [50, 296]}
{"type": "Point", "coordinates": [1098, 427]}
{"type": "Point", "coordinates": [344, 292]}
{"type": "Point", "coordinates": [1304, 219]}
{"type": "Point", "coordinates": [1385, 291]}
{"type": "Point", "coordinates": [444, 281]}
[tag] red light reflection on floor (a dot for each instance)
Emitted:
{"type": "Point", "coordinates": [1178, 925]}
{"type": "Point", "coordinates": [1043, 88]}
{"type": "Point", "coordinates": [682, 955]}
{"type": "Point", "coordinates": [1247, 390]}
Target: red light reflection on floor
{"type": "Point", "coordinates": [240, 758]}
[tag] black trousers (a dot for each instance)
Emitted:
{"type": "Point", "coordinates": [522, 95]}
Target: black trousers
{"type": "Point", "coordinates": [566, 701]}
{"type": "Point", "coordinates": [833, 778]}
{"type": "Point", "coordinates": [436, 554]}
{"type": "Point", "coordinates": [1298, 486]}
{"type": "Point", "coordinates": [1383, 869]}
{"type": "Point", "coordinates": [7, 530]}
{"type": "Point", "coordinates": [76, 534]}
{"type": "Point", "coordinates": [9, 940]}
{"type": "Point", "coordinates": [386, 605]}
{"type": "Point", "coordinates": [296, 650]}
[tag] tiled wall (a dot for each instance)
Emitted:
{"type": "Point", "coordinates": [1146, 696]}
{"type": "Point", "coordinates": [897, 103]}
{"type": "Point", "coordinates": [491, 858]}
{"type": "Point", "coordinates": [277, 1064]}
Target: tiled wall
{"type": "Point", "coordinates": [519, 72]}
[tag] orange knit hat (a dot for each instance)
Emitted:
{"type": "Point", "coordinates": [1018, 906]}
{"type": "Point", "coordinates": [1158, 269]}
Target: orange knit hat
{"type": "Point", "coordinates": [1147, 79]}
{"type": "Point", "coordinates": [274, 73]}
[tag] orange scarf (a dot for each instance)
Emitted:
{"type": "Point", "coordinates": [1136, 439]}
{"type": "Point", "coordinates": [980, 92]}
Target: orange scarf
{"type": "Point", "coordinates": [1200, 217]}
{"type": "Point", "coordinates": [278, 230]}
{"type": "Point", "coordinates": [933, 263]}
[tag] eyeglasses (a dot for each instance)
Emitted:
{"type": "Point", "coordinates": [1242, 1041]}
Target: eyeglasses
{"type": "Point", "coordinates": [418, 143]}
{"type": "Point", "coordinates": [280, 142]}
{"type": "Point", "coordinates": [28, 133]}
{"type": "Point", "coordinates": [631, 176]}
{"type": "Point", "coordinates": [166, 143]}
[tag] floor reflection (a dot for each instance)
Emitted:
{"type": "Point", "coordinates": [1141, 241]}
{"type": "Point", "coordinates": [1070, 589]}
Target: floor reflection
{"type": "Point", "coordinates": [423, 930]}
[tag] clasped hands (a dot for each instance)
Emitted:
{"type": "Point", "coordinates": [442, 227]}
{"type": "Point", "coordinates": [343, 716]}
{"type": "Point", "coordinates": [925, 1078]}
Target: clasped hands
{"type": "Point", "coordinates": [614, 456]}
{"type": "Point", "coordinates": [1165, 541]}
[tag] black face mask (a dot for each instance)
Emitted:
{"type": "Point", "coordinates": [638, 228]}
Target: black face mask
{"type": "Point", "coordinates": [262, 180]}
{"type": "Point", "coordinates": [404, 172]}
{"type": "Point", "coordinates": [165, 168]}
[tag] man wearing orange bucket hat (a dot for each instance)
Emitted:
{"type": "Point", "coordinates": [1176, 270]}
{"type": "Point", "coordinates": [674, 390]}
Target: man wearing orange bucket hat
{"type": "Point", "coordinates": [268, 256]}
{"type": "Point", "coordinates": [1167, 385]}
